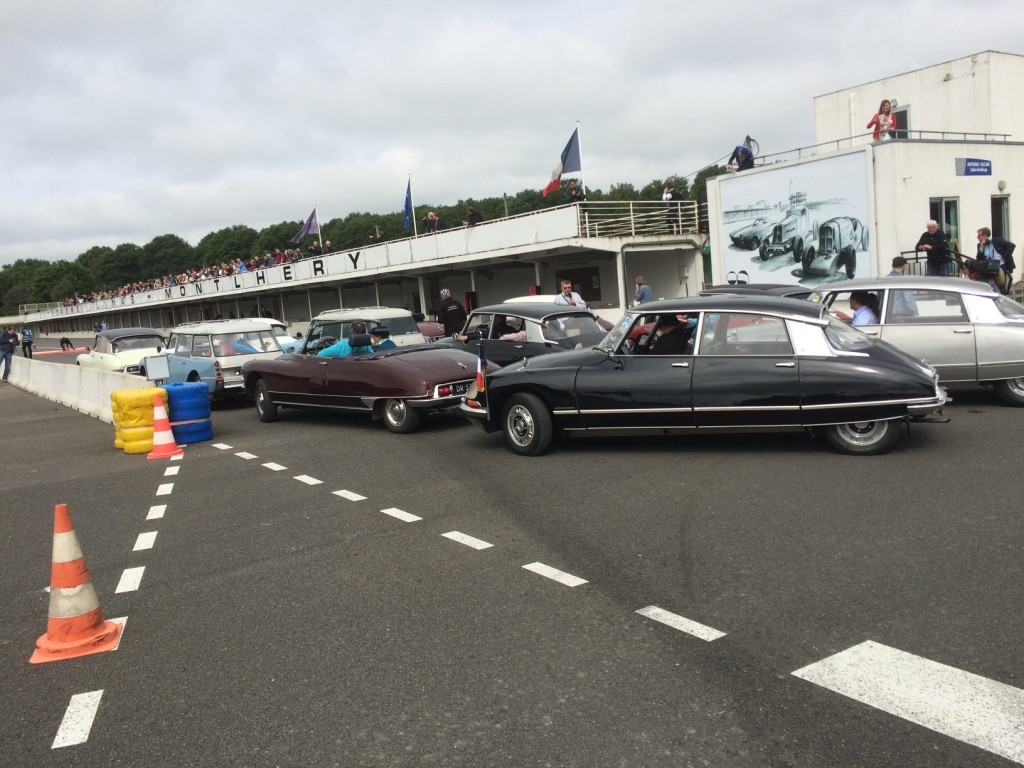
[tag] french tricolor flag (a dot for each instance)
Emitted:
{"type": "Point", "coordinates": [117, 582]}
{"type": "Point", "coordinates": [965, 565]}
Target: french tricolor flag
{"type": "Point", "coordinates": [569, 163]}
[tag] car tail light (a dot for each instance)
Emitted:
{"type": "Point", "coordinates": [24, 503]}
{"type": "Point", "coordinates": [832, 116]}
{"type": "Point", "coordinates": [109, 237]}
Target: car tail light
{"type": "Point", "coordinates": [445, 390]}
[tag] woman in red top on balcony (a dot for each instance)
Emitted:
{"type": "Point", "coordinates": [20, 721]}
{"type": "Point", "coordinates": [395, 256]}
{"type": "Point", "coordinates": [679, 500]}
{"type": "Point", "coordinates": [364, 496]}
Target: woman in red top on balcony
{"type": "Point", "coordinates": [884, 122]}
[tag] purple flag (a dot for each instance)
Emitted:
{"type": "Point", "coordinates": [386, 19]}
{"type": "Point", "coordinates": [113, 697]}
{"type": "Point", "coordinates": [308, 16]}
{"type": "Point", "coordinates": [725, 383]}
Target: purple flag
{"type": "Point", "coordinates": [311, 226]}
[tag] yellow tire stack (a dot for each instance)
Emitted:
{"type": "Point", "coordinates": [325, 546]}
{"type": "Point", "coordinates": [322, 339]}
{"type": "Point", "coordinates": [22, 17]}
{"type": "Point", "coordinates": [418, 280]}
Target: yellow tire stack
{"type": "Point", "coordinates": [133, 418]}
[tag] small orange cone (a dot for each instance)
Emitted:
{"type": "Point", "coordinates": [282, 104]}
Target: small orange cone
{"type": "Point", "coordinates": [75, 626]}
{"type": "Point", "coordinates": [164, 446]}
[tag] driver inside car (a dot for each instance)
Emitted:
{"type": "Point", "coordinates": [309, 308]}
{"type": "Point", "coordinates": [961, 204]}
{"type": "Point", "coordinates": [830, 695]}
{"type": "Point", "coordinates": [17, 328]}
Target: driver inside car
{"type": "Point", "coordinates": [342, 348]}
{"type": "Point", "coordinates": [675, 335]}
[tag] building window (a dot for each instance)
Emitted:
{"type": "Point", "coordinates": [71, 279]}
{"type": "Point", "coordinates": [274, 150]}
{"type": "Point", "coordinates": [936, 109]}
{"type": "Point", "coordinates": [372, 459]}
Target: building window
{"type": "Point", "coordinates": [946, 211]}
{"type": "Point", "coordinates": [1001, 217]}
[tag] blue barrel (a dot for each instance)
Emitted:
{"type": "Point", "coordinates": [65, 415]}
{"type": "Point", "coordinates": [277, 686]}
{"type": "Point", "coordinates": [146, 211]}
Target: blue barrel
{"type": "Point", "coordinates": [189, 406]}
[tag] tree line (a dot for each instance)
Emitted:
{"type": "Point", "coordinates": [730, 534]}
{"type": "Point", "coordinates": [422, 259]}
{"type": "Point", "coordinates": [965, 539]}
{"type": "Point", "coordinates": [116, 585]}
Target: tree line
{"type": "Point", "coordinates": [38, 281]}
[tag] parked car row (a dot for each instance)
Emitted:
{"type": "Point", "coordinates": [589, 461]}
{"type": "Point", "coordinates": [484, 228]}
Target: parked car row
{"type": "Point", "coordinates": [744, 358]}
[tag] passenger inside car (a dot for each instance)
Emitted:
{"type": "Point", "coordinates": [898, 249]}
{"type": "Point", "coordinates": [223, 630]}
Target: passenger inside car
{"type": "Point", "coordinates": [675, 337]}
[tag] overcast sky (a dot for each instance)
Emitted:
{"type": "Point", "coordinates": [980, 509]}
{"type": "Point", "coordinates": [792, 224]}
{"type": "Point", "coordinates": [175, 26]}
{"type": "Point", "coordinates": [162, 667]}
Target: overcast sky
{"type": "Point", "coordinates": [122, 121]}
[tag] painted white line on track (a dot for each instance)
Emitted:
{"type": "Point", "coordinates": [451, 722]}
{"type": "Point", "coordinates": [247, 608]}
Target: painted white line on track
{"type": "Point", "coordinates": [273, 466]}
{"type": "Point", "coordinates": [246, 455]}
{"type": "Point", "coordinates": [553, 573]}
{"type": "Point", "coordinates": [681, 623]}
{"type": "Point", "coordinates": [350, 495]}
{"type": "Point", "coordinates": [123, 621]}
{"type": "Point", "coordinates": [130, 579]}
{"type": "Point", "coordinates": [165, 489]}
{"type": "Point", "coordinates": [222, 446]}
{"type": "Point", "coordinates": [958, 704]}
{"type": "Point", "coordinates": [307, 480]}
{"type": "Point", "coordinates": [170, 471]}
{"type": "Point", "coordinates": [156, 511]}
{"type": "Point", "coordinates": [405, 517]}
{"type": "Point", "coordinates": [469, 541]}
{"type": "Point", "coordinates": [145, 541]}
{"type": "Point", "coordinates": [78, 717]}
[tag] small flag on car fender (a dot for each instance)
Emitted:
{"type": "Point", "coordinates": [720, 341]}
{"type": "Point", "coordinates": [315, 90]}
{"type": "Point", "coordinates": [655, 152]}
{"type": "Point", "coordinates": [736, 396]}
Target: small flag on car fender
{"type": "Point", "coordinates": [481, 369]}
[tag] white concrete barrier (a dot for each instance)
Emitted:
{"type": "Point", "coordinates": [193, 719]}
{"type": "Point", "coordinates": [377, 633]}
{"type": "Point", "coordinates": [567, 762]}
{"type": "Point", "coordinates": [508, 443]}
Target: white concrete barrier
{"type": "Point", "coordinates": [83, 389]}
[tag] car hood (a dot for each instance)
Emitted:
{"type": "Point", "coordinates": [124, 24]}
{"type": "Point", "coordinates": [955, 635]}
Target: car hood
{"type": "Point", "coordinates": [570, 358]}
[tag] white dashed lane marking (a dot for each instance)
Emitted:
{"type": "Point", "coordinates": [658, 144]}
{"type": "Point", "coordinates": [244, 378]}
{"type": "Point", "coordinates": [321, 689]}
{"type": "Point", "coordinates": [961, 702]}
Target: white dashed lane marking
{"type": "Point", "coordinates": [246, 455]}
{"type": "Point", "coordinates": [273, 466]}
{"type": "Point", "coordinates": [145, 541]}
{"type": "Point", "coordinates": [405, 517]}
{"type": "Point", "coordinates": [961, 705]}
{"type": "Point", "coordinates": [349, 495]}
{"type": "Point", "coordinates": [682, 624]}
{"type": "Point", "coordinates": [78, 719]}
{"type": "Point", "coordinates": [222, 446]}
{"type": "Point", "coordinates": [555, 575]}
{"type": "Point", "coordinates": [308, 480]}
{"type": "Point", "coordinates": [179, 457]}
{"type": "Point", "coordinates": [469, 541]}
{"type": "Point", "coordinates": [165, 489]}
{"type": "Point", "coordinates": [130, 579]}
{"type": "Point", "coordinates": [156, 511]}
{"type": "Point", "coordinates": [170, 471]}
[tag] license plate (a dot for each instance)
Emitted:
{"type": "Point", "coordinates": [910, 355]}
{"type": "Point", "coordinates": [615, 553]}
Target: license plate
{"type": "Point", "coordinates": [461, 388]}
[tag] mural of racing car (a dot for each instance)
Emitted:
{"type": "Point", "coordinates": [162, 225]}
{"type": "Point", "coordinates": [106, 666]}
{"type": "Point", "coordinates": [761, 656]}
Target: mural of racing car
{"type": "Point", "coordinates": [753, 234]}
{"type": "Point", "coordinates": [839, 239]}
{"type": "Point", "coordinates": [795, 232]}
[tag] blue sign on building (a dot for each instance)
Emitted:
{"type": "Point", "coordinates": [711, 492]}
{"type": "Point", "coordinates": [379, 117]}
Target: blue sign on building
{"type": "Point", "coordinates": [972, 166]}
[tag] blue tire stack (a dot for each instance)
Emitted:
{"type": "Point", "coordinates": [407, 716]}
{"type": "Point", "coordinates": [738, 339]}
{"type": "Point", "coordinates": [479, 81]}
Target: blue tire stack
{"type": "Point", "coordinates": [189, 406]}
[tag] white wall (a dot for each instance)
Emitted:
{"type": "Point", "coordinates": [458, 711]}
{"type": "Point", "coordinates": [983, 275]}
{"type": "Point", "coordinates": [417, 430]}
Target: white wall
{"type": "Point", "coordinates": [80, 388]}
{"type": "Point", "coordinates": [975, 94]}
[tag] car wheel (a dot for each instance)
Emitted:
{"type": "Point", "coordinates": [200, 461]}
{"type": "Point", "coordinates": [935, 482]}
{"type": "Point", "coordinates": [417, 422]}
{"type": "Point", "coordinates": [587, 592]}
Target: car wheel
{"type": "Point", "coordinates": [864, 438]}
{"type": "Point", "coordinates": [526, 422]}
{"type": "Point", "coordinates": [1011, 391]}
{"type": "Point", "coordinates": [399, 417]}
{"type": "Point", "coordinates": [808, 260]}
{"type": "Point", "coordinates": [798, 249]}
{"type": "Point", "coordinates": [266, 409]}
{"type": "Point", "coordinates": [849, 260]}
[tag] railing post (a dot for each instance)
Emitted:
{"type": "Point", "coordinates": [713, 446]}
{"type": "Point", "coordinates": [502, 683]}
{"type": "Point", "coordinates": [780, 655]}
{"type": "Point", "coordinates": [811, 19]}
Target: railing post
{"type": "Point", "coordinates": [632, 220]}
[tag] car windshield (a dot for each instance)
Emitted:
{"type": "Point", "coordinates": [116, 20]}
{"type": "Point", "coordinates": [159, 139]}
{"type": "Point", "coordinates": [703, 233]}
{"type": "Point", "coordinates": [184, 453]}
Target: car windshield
{"type": "Point", "coordinates": [397, 325]}
{"type": "Point", "coordinates": [573, 328]}
{"type": "Point", "coordinates": [126, 343]}
{"type": "Point", "coordinates": [1009, 308]}
{"type": "Point", "coordinates": [615, 336]}
{"type": "Point", "coordinates": [846, 338]}
{"type": "Point", "coordinates": [245, 343]}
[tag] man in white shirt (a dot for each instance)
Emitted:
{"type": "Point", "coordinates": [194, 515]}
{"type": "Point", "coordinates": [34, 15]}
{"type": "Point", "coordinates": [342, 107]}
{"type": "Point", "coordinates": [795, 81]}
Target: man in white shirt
{"type": "Point", "coordinates": [569, 297]}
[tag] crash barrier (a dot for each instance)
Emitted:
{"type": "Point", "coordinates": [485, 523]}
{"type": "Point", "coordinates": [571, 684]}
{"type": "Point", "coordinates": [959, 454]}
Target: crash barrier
{"type": "Point", "coordinates": [189, 406]}
{"type": "Point", "coordinates": [83, 389]}
{"type": "Point", "coordinates": [75, 626]}
{"type": "Point", "coordinates": [132, 411]}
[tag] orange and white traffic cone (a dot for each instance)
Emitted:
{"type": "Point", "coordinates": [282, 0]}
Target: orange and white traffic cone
{"type": "Point", "coordinates": [76, 626]}
{"type": "Point", "coordinates": [164, 446]}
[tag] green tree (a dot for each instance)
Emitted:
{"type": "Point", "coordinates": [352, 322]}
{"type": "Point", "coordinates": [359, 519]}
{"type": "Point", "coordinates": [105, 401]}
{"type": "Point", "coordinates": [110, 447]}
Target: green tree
{"type": "Point", "coordinates": [237, 242]}
{"type": "Point", "coordinates": [164, 255]}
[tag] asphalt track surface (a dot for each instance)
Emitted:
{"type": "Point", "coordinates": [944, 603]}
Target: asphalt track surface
{"type": "Point", "coordinates": [278, 623]}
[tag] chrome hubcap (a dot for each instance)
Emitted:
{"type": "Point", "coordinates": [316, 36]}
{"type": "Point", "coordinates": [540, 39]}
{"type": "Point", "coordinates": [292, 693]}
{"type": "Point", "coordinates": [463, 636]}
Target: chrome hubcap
{"type": "Point", "coordinates": [520, 425]}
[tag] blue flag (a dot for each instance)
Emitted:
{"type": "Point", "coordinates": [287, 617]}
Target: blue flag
{"type": "Point", "coordinates": [408, 205]}
{"type": "Point", "coordinates": [311, 226]}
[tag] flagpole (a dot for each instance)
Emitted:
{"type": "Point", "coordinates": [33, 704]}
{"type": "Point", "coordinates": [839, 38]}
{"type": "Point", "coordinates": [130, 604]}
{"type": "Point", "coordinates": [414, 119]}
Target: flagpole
{"type": "Point", "coordinates": [316, 217]}
{"type": "Point", "coordinates": [579, 143]}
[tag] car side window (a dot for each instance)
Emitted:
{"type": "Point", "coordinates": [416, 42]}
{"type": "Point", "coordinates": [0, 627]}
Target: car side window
{"type": "Point", "coordinates": [930, 307]}
{"type": "Point", "coordinates": [201, 347]}
{"type": "Point", "coordinates": [183, 344]}
{"type": "Point", "coordinates": [744, 334]}
{"type": "Point", "coordinates": [480, 324]}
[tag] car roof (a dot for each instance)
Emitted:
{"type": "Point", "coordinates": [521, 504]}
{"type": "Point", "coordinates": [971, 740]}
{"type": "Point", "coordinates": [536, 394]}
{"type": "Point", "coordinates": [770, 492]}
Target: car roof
{"type": "Point", "coordinates": [962, 285]}
{"type": "Point", "coordinates": [120, 333]}
{"type": "Point", "coordinates": [356, 313]}
{"type": "Point", "coordinates": [727, 302]}
{"type": "Point", "coordinates": [222, 326]}
{"type": "Point", "coordinates": [537, 310]}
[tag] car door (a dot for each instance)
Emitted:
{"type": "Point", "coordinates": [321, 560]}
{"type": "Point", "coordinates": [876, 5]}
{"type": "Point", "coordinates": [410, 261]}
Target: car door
{"type": "Point", "coordinates": [745, 373]}
{"type": "Point", "coordinates": [933, 325]}
{"type": "Point", "coordinates": [636, 391]}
